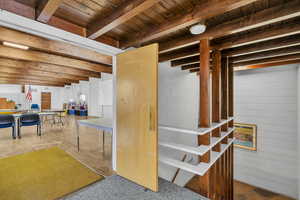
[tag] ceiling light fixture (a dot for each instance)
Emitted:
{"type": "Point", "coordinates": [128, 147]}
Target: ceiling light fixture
{"type": "Point", "coordinates": [197, 29]}
{"type": "Point", "coordinates": [19, 46]}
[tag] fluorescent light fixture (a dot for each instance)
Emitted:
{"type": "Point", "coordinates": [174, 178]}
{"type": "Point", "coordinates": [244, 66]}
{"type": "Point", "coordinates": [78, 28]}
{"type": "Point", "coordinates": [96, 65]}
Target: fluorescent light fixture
{"type": "Point", "coordinates": [19, 46]}
{"type": "Point", "coordinates": [197, 29]}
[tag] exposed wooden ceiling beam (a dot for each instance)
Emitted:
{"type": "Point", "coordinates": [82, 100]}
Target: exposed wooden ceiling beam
{"type": "Point", "coordinates": [297, 61]}
{"type": "Point", "coordinates": [267, 60]}
{"type": "Point", "coordinates": [46, 9]}
{"type": "Point", "coordinates": [128, 10]}
{"type": "Point", "coordinates": [35, 56]}
{"type": "Point", "coordinates": [29, 12]}
{"type": "Point", "coordinates": [179, 53]}
{"type": "Point", "coordinates": [28, 81]}
{"type": "Point", "coordinates": [36, 78]}
{"type": "Point", "coordinates": [38, 73]}
{"type": "Point", "coordinates": [265, 54]}
{"type": "Point", "coordinates": [195, 70]}
{"type": "Point", "coordinates": [277, 43]}
{"type": "Point", "coordinates": [47, 68]}
{"type": "Point", "coordinates": [201, 12]}
{"type": "Point", "coordinates": [277, 30]}
{"type": "Point", "coordinates": [52, 46]}
{"type": "Point", "coordinates": [192, 66]}
{"type": "Point", "coordinates": [261, 18]}
{"type": "Point", "coordinates": [263, 46]}
{"type": "Point", "coordinates": [185, 61]}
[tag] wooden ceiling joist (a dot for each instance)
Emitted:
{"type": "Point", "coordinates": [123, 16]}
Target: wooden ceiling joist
{"type": "Point", "coordinates": [18, 82]}
{"type": "Point", "coordinates": [261, 18]}
{"type": "Point", "coordinates": [28, 81]}
{"type": "Point", "coordinates": [200, 12]}
{"type": "Point", "coordinates": [276, 31]}
{"type": "Point", "coordinates": [180, 53]}
{"type": "Point", "coordinates": [266, 54]}
{"type": "Point", "coordinates": [267, 60]}
{"type": "Point", "coordinates": [192, 66]}
{"type": "Point", "coordinates": [36, 78]}
{"type": "Point", "coordinates": [46, 9]}
{"type": "Point", "coordinates": [47, 68]}
{"type": "Point", "coordinates": [52, 46]}
{"type": "Point", "coordinates": [185, 61]}
{"type": "Point", "coordinates": [35, 56]}
{"type": "Point", "coordinates": [263, 46]}
{"type": "Point", "coordinates": [281, 63]}
{"type": "Point", "coordinates": [128, 10]}
{"type": "Point", "coordinates": [38, 73]}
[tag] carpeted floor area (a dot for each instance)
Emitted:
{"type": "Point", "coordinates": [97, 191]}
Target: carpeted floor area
{"type": "Point", "coordinates": [41, 175]}
{"type": "Point", "coordinates": [118, 188]}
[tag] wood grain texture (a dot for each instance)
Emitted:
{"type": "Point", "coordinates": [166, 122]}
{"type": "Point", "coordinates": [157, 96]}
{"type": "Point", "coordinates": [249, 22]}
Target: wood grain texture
{"type": "Point", "coordinates": [200, 12]}
{"type": "Point", "coordinates": [24, 65]}
{"type": "Point", "coordinates": [40, 73]}
{"type": "Point", "coordinates": [263, 46]}
{"type": "Point", "coordinates": [52, 46]}
{"type": "Point", "coordinates": [224, 89]}
{"type": "Point", "coordinates": [137, 157]}
{"type": "Point", "coordinates": [204, 112]}
{"type": "Point", "coordinates": [46, 9]}
{"type": "Point", "coordinates": [296, 61]}
{"type": "Point", "coordinates": [295, 56]}
{"type": "Point", "coordinates": [266, 54]}
{"type": "Point", "coordinates": [29, 55]}
{"type": "Point", "coordinates": [125, 12]}
{"type": "Point", "coordinates": [262, 18]}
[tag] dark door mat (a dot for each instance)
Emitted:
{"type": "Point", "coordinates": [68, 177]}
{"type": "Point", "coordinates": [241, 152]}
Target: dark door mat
{"type": "Point", "coordinates": [118, 188]}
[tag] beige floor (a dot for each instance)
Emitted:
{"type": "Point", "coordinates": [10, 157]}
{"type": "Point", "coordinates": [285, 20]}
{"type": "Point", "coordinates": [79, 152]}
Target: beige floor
{"type": "Point", "coordinates": [90, 154]}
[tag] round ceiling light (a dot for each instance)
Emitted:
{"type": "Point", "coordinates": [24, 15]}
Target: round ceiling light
{"type": "Point", "coordinates": [197, 29]}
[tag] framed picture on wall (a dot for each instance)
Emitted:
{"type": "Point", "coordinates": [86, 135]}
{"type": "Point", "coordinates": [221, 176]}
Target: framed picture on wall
{"type": "Point", "coordinates": [245, 136]}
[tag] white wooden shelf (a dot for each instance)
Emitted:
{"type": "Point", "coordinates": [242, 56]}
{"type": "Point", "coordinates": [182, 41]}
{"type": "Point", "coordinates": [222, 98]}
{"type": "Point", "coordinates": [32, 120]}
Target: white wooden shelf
{"type": "Point", "coordinates": [199, 169]}
{"type": "Point", "coordinates": [199, 131]}
{"type": "Point", "coordinates": [200, 150]}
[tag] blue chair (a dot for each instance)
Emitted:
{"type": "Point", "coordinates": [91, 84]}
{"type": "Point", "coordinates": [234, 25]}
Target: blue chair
{"type": "Point", "coordinates": [7, 121]}
{"type": "Point", "coordinates": [29, 120]}
{"type": "Point", "coordinates": [35, 107]}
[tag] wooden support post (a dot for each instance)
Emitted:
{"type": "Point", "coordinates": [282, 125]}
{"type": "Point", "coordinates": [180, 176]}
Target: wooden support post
{"type": "Point", "coordinates": [230, 93]}
{"type": "Point", "coordinates": [204, 113]}
{"type": "Point", "coordinates": [224, 92]}
{"type": "Point", "coordinates": [231, 124]}
{"type": "Point", "coordinates": [216, 95]}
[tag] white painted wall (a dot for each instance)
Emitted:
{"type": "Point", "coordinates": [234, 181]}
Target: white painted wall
{"type": "Point", "coordinates": [98, 93]}
{"type": "Point", "coordinates": [266, 97]}
{"type": "Point", "coordinates": [57, 95]}
{"type": "Point", "coordinates": [178, 107]}
{"type": "Point", "coordinates": [12, 92]}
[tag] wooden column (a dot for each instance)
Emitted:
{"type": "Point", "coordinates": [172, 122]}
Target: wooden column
{"type": "Point", "coordinates": [204, 113]}
{"type": "Point", "coordinates": [216, 117]}
{"type": "Point", "coordinates": [231, 124]}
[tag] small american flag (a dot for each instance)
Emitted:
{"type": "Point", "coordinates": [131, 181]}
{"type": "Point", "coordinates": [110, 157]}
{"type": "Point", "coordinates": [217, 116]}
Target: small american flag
{"type": "Point", "coordinates": [29, 94]}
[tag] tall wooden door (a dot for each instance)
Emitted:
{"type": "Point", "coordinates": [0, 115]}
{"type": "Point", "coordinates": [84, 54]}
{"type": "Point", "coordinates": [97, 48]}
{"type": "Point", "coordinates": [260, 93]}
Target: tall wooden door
{"type": "Point", "coordinates": [137, 116]}
{"type": "Point", "coordinates": [46, 100]}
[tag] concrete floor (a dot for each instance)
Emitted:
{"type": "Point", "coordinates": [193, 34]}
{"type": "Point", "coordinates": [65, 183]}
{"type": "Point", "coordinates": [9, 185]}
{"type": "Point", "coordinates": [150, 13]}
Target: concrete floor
{"type": "Point", "coordinates": [91, 152]}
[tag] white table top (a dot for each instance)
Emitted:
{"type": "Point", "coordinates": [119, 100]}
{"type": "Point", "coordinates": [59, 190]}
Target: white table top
{"type": "Point", "coordinates": [98, 123]}
{"type": "Point", "coordinates": [40, 113]}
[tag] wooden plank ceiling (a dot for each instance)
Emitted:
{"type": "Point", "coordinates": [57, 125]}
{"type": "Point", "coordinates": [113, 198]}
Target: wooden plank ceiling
{"type": "Point", "coordinates": [248, 32]}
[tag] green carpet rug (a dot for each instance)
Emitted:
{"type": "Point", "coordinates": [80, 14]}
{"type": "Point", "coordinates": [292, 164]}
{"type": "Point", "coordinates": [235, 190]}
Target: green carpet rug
{"type": "Point", "coordinates": [42, 175]}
